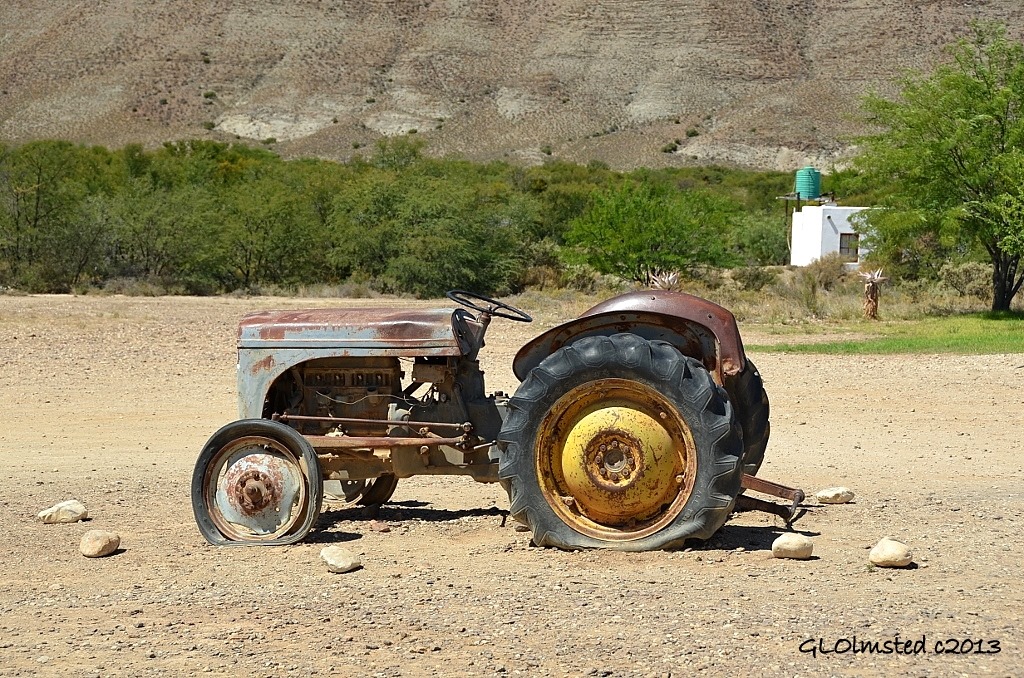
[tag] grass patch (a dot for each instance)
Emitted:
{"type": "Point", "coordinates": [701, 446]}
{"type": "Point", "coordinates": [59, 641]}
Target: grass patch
{"type": "Point", "coordinates": [964, 334]}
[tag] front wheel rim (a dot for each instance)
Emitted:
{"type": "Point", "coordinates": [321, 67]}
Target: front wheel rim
{"type": "Point", "coordinates": [615, 460]}
{"type": "Point", "coordinates": [255, 489]}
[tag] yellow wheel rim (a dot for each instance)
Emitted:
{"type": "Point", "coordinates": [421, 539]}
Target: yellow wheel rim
{"type": "Point", "coordinates": [615, 460]}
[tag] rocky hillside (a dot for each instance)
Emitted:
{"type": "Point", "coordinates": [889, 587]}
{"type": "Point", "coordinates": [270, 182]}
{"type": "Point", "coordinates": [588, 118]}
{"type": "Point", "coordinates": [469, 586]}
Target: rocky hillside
{"type": "Point", "coordinates": [765, 83]}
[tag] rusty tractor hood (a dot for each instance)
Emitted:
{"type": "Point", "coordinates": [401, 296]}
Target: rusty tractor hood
{"type": "Point", "coordinates": [363, 331]}
{"type": "Point", "coordinates": [658, 307]}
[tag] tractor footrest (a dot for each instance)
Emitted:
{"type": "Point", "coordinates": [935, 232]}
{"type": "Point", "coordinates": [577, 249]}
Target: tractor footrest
{"type": "Point", "coordinates": [755, 484]}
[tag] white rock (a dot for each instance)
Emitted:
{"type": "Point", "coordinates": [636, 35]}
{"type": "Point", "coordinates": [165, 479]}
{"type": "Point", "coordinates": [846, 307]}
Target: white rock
{"type": "Point", "coordinates": [835, 495]}
{"type": "Point", "coordinates": [70, 511]}
{"type": "Point", "coordinates": [792, 545]}
{"type": "Point", "coordinates": [891, 553]}
{"type": "Point", "coordinates": [99, 543]}
{"type": "Point", "coordinates": [340, 559]}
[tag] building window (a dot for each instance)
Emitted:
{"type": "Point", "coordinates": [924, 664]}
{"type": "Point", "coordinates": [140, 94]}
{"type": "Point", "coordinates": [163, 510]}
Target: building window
{"type": "Point", "coordinates": [848, 246]}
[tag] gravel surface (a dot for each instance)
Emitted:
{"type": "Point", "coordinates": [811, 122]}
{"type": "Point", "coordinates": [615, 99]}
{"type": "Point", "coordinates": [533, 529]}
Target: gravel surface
{"type": "Point", "coordinates": [109, 399]}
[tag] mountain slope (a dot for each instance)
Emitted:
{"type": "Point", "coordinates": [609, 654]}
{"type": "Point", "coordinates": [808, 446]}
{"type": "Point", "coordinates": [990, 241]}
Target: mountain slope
{"type": "Point", "coordinates": [768, 83]}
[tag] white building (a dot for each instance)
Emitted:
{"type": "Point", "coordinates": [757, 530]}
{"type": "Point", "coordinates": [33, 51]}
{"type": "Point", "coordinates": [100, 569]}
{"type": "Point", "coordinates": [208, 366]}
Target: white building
{"type": "Point", "coordinates": [822, 229]}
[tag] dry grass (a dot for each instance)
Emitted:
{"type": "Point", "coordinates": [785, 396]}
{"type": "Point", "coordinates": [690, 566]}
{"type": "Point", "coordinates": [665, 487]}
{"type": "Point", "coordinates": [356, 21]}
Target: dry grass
{"type": "Point", "coordinates": [789, 305]}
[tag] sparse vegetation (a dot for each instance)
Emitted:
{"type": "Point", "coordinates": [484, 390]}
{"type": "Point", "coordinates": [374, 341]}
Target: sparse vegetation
{"type": "Point", "coordinates": [204, 217]}
{"type": "Point", "coordinates": [969, 279]}
{"type": "Point", "coordinates": [826, 271]}
{"type": "Point", "coordinates": [754, 278]}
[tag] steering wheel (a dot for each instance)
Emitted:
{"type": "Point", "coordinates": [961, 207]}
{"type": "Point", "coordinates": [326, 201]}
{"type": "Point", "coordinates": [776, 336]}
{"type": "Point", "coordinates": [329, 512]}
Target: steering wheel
{"type": "Point", "coordinates": [467, 299]}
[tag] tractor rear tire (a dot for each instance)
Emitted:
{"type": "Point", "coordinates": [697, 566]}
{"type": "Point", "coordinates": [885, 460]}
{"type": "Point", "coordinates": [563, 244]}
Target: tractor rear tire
{"type": "Point", "coordinates": [620, 443]}
{"type": "Point", "coordinates": [750, 401]}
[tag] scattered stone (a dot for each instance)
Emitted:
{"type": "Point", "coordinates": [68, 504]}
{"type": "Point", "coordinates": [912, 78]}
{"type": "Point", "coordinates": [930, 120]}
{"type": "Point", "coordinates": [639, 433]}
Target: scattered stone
{"type": "Point", "coordinates": [379, 526]}
{"type": "Point", "coordinates": [99, 543]}
{"type": "Point", "coordinates": [890, 553]}
{"type": "Point", "coordinates": [835, 495]}
{"type": "Point", "coordinates": [519, 527]}
{"type": "Point", "coordinates": [70, 511]}
{"type": "Point", "coordinates": [792, 545]}
{"type": "Point", "coordinates": [340, 560]}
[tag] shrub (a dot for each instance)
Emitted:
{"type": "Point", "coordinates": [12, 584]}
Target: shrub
{"type": "Point", "coordinates": [692, 132]}
{"type": "Point", "coordinates": [917, 290]}
{"type": "Point", "coordinates": [827, 271]}
{"type": "Point", "coordinates": [210, 95]}
{"type": "Point", "coordinates": [670, 147]}
{"type": "Point", "coordinates": [547, 269]}
{"type": "Point", "coordinates": [709, 277]}
{"type": "Point", "coordinates": [134, 287]}
{"type": "Point", "coordinates": [969, 279]}
{"type": "Point", "coordinates": [209, 125]}
{"type": "Point", "coordinates": [808, 285]}
{"type": "Point", "coordinates": [581, 277]}
{"type": "Point", "coordinates": [754, 278]}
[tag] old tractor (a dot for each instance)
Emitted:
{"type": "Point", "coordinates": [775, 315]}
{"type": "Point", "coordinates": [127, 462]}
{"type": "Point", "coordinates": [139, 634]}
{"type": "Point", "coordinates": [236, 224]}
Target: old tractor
{"type": "Point", "coordinates": [636, 426]}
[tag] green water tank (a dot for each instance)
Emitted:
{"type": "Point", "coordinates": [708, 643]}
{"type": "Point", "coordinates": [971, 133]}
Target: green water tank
{"type": "Point", "coordinates": [808, 183]}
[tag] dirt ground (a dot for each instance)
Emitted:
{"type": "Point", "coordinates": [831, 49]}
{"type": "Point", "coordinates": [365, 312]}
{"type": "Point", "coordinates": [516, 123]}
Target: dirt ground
{"type": "Point", "coordinates": [109, 400]}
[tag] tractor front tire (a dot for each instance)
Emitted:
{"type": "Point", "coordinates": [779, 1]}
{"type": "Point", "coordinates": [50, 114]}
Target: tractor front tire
{"type": "Point", "coordinates": [256, 482]}
{"type": "Point", "coordinates": [620, 443]}
{"type": "Point", "coordinates": [378, 490]}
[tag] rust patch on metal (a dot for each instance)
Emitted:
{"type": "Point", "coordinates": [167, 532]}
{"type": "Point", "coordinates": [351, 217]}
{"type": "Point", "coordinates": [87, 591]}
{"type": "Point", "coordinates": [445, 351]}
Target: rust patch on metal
{"type": "Point", "coordinates": [380, 442]}
{"type": "Point", "coordinates": [747, 503]}
{"type": "Point", "coordinates": [264, 365]}
{"type": "Point", "coordinates": [251, 490]}
{"type": "Point", "coordinates": [254, 491]}
{"type": "Point", "coordinates": [351, 328]}
{"type": "Point", "coordinates": [683, 317]}
{"type": "Point", "coordinates": [681, 305]}
{"type": "Point", "coordinates": [614, 460]}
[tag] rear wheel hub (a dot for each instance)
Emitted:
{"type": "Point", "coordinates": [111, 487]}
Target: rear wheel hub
{"type": "Point", "coordinates": [613, 459]}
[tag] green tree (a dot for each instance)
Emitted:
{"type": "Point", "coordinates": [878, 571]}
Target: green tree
{"type": "Point", "coordinates": [158, 230]}
{"type": "Point", "coordinates": [761, 238]}
{"type": "Point", "coordinates": [49, 235]}
{"type": "Point", "coordinates": [432, 226]}
{"type": "Point", "coordinates": [951, 152]}
{"type": "Point", "coordinates": [638, 228]}
{"type": "Point", "coordinates": [267, 232]}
